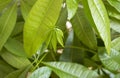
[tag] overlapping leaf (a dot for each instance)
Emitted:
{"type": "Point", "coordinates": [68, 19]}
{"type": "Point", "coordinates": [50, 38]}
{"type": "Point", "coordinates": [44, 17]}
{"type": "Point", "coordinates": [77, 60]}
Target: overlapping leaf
{"type": "Point", "coordinates": [15, 47]}
{"type": "Point", "coordinates": [21, 73]}
{"type": "Point", "coordinates": [5, 69]}
{"type": "Point", "coordinates": [26, 7]}
{"type": "Point", "coordinates": [115, 4]}
{"type": "Point", "coordinates": [110, 61]}
{"type": "Point", "coordinates": [83, 30]}
{"type": "Point", "coordinates": [7, 23]}
{"type": "Point", "coordinates": [101, 20]}
{"type": "Point", "coordinates": [72, 6]}
{"type": "Point", "coordinates": [15, 61]}
{"type": "Point", "coordinates": [43, 72]}
{"type": "Point", "coordinates": [115, 25]}
{"type": "Point", "coordinates": [40, 21]}
{"type": "Point", "coordinates": [71, 70]}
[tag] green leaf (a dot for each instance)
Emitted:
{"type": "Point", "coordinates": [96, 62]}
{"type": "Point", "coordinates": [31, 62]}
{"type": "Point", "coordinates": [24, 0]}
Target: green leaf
{"type": "Point", "coordinates": [83, 30]}
{"type": "Point", "coordinates": [117, 75]}
{"type": "Point", "coordinates": [42, 18]}
{"type": "Point", "coordinates": [15, 61]}
{"type": "Point", "coordinates": [70, 70]}
{"type": "Point", "coordinates": [26, 7]}
{"type": "Point", "coordinates": [115, 25]}
{"type": "Point", "coordinates": [61, 22]}
{"type": "Point", "coordinates": [21, 73]}
{"type": "Point", "coordinates": [7, 23]}
{"type": "Point", "coordinates": [115, 4]}
{"type": "Point", "coordinates": [110, 61]}
{"type": "Point", "coordinates": [113, 12]}
{"type": "Point", "coordinates": [72, 6]}
{"type": "Point", "coordinates": [43, 72]}
{"type": "Point", "coordinates": [101, 20]}
{"type": "Point", "coordinates": [5, 69]}
{"type": "Point", "coordinates": [70, 52]}
{"type": "Point", "coordinates": [116, 43]}
{"type": "Point", "coordinates": [4, 3]}
{"type": "Point", "coordinates": [15, 47]}
{"type": "Point", "coordinates": [18, 29]}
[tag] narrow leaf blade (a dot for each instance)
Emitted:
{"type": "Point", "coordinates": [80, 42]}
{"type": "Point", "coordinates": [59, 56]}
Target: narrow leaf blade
{"type": "Point", "coordinates": [101, 20]}
{"type": "Point", "coordinates": [7, 23]}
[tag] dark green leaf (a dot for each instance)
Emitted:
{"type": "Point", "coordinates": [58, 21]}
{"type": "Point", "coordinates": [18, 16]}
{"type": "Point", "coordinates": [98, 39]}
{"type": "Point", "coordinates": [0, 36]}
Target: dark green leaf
{"type": "Point", "coordinates": [15, 47]}
{"type": "Point", "coordinates": [5, 69]}
{"type": "Point", "coordinates": [15, 61]}
{"type": "Point", "coordinates": [83, 30]}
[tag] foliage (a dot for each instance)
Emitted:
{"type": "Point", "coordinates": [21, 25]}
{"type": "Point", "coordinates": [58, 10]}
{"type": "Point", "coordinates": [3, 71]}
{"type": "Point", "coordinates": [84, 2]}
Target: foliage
{"type": "Point", "coordinates": [59, 39]}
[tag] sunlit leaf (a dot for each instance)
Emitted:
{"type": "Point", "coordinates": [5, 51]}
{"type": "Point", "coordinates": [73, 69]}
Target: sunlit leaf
{"type": "Point", "coordinates": [15, 47]}
{"type": "Point", "coordinates": [116, 44]}
{"type": "Point", "coordinates": [43, 72]}
{"type": "Point", "coordinates": [101, 20]}
{"type": "Point", "coordinates": [115, 25]}
{"type": "Point", "coordinates": [70, 70]}
{"type": "Point", "coordinates": [7, 23]}
{"type": "Point", "coordinates": [72, 51]}
{"type": "Point", "coordinates": [41, 19]}
{"type": "Point", "coordinates": [110, 61]}
{"type": "Point", "coordinates": [72, 6]}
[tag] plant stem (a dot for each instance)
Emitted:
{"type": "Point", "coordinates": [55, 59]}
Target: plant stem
{"type": "Point", "coordinates": [81, 48]}
{"type": "Point", "coordinates": [39, 61]}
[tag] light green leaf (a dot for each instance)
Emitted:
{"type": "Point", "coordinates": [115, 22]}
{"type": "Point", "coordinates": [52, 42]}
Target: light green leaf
{"type": "Point", "coordinates": [83, 30]}
{"type": "Point", "coordinates": [26, 7]}
{"type": "Point", "coordinates": [115, 4]}
{"type": "Point", "coordinates": [42, 18]}
{"type": "Point", "coordinates": [72, 6]}
{"type": "Point", "coordinates": [15, 61]}
{"type": "Point", "coordinates": [61, 22]}
{"type": "Point", "coordinates": [43, 72]}
{"type": "Point", "coordinates": [70, 70]}
{"type": "Point", "coordinates": [59, 35]}
{"type": "Point", "coordinates": [101, 20]}
{"type": "Point", "coordinates": [115, 25]}
{"type": "Point", "coordinates": [111, 61]}
{"type": "Point", "coordinates": [15, 47]}
{"type": "Point", "coordinates": [116, 44]}
{"type": "Point", "coordinates": [7, 23]}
